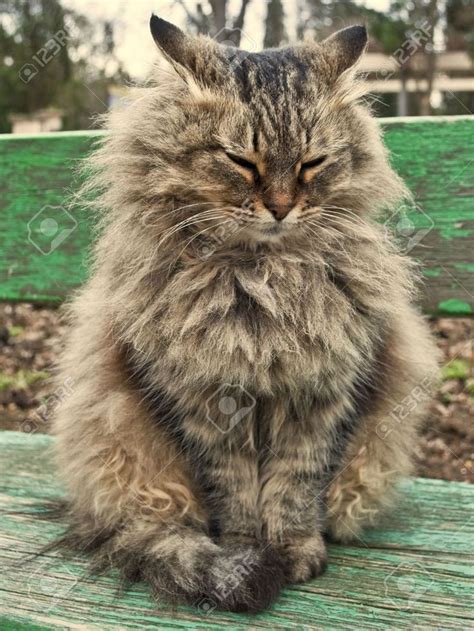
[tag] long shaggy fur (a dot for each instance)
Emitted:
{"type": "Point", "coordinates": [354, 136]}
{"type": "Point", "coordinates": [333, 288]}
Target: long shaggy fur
{"type": "Point", "coordinates": [308, 331]}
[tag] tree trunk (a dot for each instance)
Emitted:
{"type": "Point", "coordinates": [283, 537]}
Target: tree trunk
{"type": "Point", "coordinates": [430, 57]}
{"type": "Point", "coordinates": [219, 15]}
{"type": "Point", "coordinates": [402, 97]}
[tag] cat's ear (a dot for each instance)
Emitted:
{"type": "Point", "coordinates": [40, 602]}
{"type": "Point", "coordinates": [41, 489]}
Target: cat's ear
{"type": "Point", "coordinates": [345, 47]}
{"type": "Point", "coordinates": [176, 46]}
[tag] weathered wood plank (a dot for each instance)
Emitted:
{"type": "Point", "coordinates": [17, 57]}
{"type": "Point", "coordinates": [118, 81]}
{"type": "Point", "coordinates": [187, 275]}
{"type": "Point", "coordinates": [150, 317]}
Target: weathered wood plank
{"type": "Point", "coordinates": [434, 155]}
{"type": "Point", "coordinates": [436, 159]}
{"type": "Point", "coordinates": [416, 571]}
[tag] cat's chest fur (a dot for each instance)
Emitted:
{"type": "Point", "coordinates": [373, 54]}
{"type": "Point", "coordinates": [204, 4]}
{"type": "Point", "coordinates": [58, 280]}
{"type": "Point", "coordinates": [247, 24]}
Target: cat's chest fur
{"type": "Point", "coordinates": [267, 326]}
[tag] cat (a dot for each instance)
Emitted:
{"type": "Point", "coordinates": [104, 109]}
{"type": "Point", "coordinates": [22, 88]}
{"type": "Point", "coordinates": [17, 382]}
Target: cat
{"type": "Point", "coordinates": [247, 329]}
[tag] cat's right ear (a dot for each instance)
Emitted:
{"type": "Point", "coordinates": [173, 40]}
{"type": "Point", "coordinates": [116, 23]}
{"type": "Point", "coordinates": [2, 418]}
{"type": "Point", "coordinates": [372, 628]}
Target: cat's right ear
{"type": "Point", "coordinates": [344, 48]}
{"type": "Point", "coordinates": [175, 45]}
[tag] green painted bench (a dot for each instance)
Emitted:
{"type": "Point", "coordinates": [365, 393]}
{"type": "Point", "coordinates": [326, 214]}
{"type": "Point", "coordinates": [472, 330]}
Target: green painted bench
{"type": "Point", "coordinates": [414, 571]}
{"type": "Point", "coordinates": [434, 155]}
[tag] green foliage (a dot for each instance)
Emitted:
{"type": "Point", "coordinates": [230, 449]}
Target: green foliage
{"type": "Point", "coordinates": [21, 379]}
{"type": "Point", "coordinates": [15, 330]}
{"type": "Point", "coordinates": [457, 369]}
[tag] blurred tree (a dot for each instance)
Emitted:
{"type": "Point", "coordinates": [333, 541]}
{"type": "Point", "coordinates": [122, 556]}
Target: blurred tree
{"type": "Point", "coordinates": [51, 56]}
{"type": "Point", "coordinates": [320, 18]}
{"type": "Point", "coordinates": [459, 32]}
{"type": "Point", "coordinates": [460, 25]}
{"type": "Point", "coordinates": [213, 18]}
{"type": "Point", "coordinates": [275, 34]}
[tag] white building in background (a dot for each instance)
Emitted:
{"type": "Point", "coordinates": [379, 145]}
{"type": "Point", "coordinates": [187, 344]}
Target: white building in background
{"type": "Point", "coordinates": [37, 122]}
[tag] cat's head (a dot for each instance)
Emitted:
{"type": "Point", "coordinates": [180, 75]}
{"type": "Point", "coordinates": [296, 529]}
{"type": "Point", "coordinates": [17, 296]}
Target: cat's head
{"type": "Point", "coordinates": [273, 142]}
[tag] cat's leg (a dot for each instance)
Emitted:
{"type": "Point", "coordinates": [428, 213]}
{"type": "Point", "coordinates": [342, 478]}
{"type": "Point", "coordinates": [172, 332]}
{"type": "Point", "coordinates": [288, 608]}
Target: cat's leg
{"type": "Point", "coordinates": [220, 441]}
{"type": "Point", "coordinates": [382, 449]}
{"type": "Point", "coordinates": [226, 466]}
{"type": "Point", "coordinates": [292, 486]}
{"type": "Point", "coordinates": [133, 504]}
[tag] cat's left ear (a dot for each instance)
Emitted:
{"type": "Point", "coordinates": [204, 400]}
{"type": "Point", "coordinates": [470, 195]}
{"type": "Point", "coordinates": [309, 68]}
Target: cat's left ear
{"type": "Point", "coordinates": [345, 47]}
{"type": "Point", "coordinates": [175, 45]}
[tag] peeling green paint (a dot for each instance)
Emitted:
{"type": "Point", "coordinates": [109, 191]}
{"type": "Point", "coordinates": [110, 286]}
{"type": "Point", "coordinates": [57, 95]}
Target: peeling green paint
{"type": "Point", "coordinates": [455, 307]}
{"type": "Point", "coordinates": [434, 272]}
{"type": "Point", "coordinates": [453, 232]}
{"type": "Point", "coordinates": [468, 267]}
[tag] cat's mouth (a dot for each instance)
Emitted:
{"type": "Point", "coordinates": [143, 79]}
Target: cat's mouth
{"type": "Point", "coordinates": [272, 230]}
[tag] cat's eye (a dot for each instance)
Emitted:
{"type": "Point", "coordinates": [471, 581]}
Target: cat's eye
{"type": "Point", "coordinates": [311, 164]}
{"type": "Point", "coordinates": [242, 162]}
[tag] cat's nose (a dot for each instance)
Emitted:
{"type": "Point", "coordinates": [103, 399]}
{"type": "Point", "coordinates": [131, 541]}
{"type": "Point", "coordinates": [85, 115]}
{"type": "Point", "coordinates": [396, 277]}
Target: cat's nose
{"type": "Point", "coordinates": [279, 211]}
{"type": "Point", "coordinates": [279, 206]}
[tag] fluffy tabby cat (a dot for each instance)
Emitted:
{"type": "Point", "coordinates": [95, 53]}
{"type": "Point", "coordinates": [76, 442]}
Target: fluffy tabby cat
{"type": "Point", "coordinates": [247, 329]}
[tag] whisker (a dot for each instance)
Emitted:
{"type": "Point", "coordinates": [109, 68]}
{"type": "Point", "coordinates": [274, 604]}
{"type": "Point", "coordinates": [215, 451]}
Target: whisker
{"type": "Point", "coordinates": [206, 215]}
{"type": "Point", "coordinates": [181, 208]}
{"type": "Point", "coordinates": [346, 211]}
{"type": "Point", "coordinates": [198, 234]}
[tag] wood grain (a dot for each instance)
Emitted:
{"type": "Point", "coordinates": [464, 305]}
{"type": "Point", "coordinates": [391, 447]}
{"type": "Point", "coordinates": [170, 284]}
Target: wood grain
{"type": "Point", "coordinates": [414, 572]}
{"type": "Point", "coordinates": [434, 155]}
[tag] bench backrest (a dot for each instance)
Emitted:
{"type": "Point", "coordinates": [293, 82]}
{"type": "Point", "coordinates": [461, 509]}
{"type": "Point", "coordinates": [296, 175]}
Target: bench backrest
{"type": "Point", "coordinates": [44, 248]}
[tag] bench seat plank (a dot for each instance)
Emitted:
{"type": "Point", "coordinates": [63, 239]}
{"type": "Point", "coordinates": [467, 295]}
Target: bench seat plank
{"type": "Point", "coordinates": [414, 570]}
{"type": "Point", "coordinates": [434, 155]}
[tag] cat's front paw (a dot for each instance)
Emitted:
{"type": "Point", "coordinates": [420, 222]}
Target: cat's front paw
{"type": "Point", "coordinates": [250, 575]}
{"type": "Point", "coordinates": [306, 558]}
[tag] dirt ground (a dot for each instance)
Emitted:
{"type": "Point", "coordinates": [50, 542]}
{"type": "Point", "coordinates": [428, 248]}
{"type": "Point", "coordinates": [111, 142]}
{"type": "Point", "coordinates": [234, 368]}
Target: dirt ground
{"type": "Point", "coordinates": [30, 339]}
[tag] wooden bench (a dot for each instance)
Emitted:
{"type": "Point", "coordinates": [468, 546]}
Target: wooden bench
{"type": "Point", "coordinates": [413, 571]}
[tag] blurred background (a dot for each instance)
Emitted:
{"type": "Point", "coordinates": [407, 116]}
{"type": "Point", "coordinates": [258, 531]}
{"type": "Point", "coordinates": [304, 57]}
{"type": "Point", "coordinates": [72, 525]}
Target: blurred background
{"type": "Point", "coordinates": [419, 62]}
{"type": "Point", "coordinates": [62, 62]}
